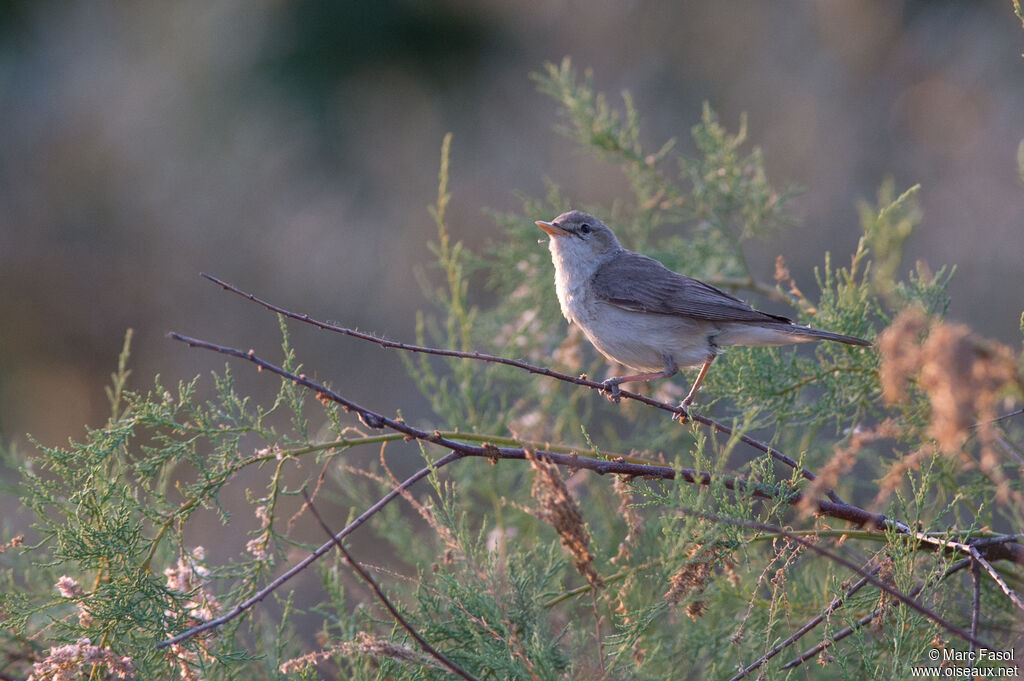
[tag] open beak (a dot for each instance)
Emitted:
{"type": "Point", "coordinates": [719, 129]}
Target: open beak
{"type": "Point", "coordinates": [551, 228]}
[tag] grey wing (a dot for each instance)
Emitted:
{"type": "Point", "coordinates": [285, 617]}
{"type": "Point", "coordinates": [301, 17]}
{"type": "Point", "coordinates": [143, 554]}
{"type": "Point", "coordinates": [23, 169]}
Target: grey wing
{"type": "Point", "coordinates": [641, 284]}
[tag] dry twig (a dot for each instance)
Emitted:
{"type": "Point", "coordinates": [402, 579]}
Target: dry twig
{"type": "Point", "coordinates": [484, 357]}
{"type": "Point", "coordinates": [842, 511]}
{"type": "Point", "coordinates": [846, 631]}
{"type": "Point", "coordinates": [836, 603]}
{"type": "Point", "coordinates": [981, 551]}
{"type": "Point", "coordinates": [906, 599]}
{"type": "Point", "coordinates": [366, 577]}
{"type": "Point", "coordinates": [302, 564]}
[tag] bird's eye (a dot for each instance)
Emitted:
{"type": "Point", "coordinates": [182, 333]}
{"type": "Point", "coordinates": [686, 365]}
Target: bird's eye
{"type": "Point", "coordinates": [584, 228]}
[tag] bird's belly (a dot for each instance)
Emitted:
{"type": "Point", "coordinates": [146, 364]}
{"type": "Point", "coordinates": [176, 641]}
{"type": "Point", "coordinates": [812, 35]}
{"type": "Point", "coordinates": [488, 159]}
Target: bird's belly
{"type": "Point", "coordinates": [643, 341]}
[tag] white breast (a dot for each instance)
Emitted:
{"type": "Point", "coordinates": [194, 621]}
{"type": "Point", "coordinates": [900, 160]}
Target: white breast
{"type": "Point", "coordinates": [638, 340]}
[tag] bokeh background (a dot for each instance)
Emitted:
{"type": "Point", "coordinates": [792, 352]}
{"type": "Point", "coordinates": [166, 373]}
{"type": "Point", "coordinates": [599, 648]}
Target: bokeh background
{"type": "Point", "coordinates": [291, 147]}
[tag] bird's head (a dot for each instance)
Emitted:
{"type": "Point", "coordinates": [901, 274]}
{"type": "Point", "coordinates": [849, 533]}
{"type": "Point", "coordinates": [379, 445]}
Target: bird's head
{"type": "Point", "coordinates": [579, 240]}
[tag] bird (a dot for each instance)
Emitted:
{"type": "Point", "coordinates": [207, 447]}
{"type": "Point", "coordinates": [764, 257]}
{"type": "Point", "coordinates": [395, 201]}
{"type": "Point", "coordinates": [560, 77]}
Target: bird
{"type": "Point", "coordinates": [639, 313]}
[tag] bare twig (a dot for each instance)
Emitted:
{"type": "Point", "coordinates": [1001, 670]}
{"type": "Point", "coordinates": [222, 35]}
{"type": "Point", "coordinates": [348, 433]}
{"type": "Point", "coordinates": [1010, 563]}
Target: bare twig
{"type": "Point", "coordinates": [906, 599]}
{"type": "Point", "coordinates": [840, 510]}
{"type": "Point", "coordinates": [996, 577]}
{"type": "Point", "coordinates": [1010, 415]}
{"type": "Point", "coordinates": [976, 604]}
{"type": "Point", "coordinates": [484, 357]}
{"type": "Point", "coordinates": [376, 420]}
{"type": "Point", "coordinates": [846, 631]}
{"type": "Point", "coordinates": [971, 562]}
{"type": "Point", "coordinates": [836, 603]}
{"type": "Point", "coordinates": [995, 550]}
{"type": "Point", "coordinates": [972, 550]}
{"type": "Point", "coordinates": [424, 644]}
{"type": "Point", "coordinates": [301, 565]}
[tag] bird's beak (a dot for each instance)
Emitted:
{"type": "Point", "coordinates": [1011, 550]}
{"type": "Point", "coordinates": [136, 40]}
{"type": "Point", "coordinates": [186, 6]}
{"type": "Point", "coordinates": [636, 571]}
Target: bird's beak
{"type": "Point", "coordinates": [551, 228]}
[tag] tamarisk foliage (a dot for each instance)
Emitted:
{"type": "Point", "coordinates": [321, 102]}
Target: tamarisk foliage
{"type": "Point", "coordinates": [847, 507]}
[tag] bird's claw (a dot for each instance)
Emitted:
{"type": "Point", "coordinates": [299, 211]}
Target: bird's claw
{"type": "Point", "coordinates": [371, 420]}
{"type": "Point", "coordinates": [610, 389]}
{"type": "Point", "coordinates": [683, 415]}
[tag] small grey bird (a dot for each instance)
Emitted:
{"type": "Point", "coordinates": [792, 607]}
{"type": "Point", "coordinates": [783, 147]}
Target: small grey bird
{"type": "Point", "coordinates": [639, 313]}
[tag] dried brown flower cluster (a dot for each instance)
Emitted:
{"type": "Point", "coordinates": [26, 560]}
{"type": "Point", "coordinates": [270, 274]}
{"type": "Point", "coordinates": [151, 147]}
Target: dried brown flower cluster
{"type": "Point", "coordinates": [964, 376]}
{"type": "Point", "coordinates": [557, 507]}
{"type": "Point", "coordinates": [886, 575]}
{"type": "Point", "coordinates": [14, 543]}
{"type": "Point", "coordinates": [691, 579]}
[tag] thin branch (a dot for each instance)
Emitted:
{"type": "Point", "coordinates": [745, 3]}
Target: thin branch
{"type": "Point", "coordinates": [373, 419]}
{"type": "Point", "coordinates": [972, 550]}
{"type": "Point", "coordinates": [1011, 449]}
{"type": "Point", "coordinates": [429, 649]}
{"type": "Point", "coordinates": [1010, 415]}
{"type": "Point", "coordinates": [495, 359]}
{"type": "Point", "coordinates": [836, 603]}
{"type": "Point", "coordinates": [1001, 550]}
{"type": "Point", "coordinates": [845, 562]}
{"type": "Point", "coordinates": [976, 604]}
{"type": "Point", "coordinates": [301, 565]}
{"type": "Point", "coordinates": [996, 577]}
{"type": "Point", "coordinates": [973, 562]}
{"type": "Point", "coordinates": [846, 631]}
{"type": "Point", "coordinates": [997, 539]}
{"type": "Point", "coordinates": [843, 511]}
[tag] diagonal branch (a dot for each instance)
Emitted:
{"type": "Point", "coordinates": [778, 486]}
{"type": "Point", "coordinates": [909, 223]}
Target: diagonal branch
{"type": "Point", "coordinates": [906, 599]}
{"type": "Point", "coordinates": [997, 548]}
{"type": "Point", "coordinates": [835, 507]}
{"type": "Point", "coordinates": [976, 601]}
{"type": "Point", "coordinates": [361, 571]}
{"type": "Point", "coordinates": [533, 369]}
{"type": "Point", "coordinates": [374, 419]}
{"type": "Point", "coordinates": [836, 603]}
{"type": "Point", "coordinates": [302, 564]}
{"type": "Point", "coordinates": [841, 511]}
{"type": "Point", "coordinates": [1010, 415]}
{"type": "Point", "coordinates": [972, 550]}
{"type": "Point", "coordinates": [846, 631]}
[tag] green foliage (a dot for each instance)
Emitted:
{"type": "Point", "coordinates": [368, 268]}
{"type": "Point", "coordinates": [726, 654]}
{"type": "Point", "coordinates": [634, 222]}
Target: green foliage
{"type": "Point", "coordinates": [114, 511]}
{"type": "Point", "coordinates": [700, 221]}
{"type": "Point", "coordinates": [887, 228]}
{"type": "Point", "coordinates": [677, 581]}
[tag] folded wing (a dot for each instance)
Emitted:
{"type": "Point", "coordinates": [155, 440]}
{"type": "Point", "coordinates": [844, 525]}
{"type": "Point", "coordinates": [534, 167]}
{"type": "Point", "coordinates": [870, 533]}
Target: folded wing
{"type": "Point", "coordinates": [635, 282]}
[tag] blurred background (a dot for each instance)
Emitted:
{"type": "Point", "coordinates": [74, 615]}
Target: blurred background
{"type": "Point", "coordinates": [292, 148]}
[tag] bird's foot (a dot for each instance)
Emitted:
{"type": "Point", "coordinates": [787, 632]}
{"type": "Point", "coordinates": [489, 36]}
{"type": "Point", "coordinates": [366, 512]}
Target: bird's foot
{"type": "Point", "coordinates": [371, 420]}
{"type": "Point", "coordinates": [683, 415]}
{"type": "Point", "coordinates": [610, 389]}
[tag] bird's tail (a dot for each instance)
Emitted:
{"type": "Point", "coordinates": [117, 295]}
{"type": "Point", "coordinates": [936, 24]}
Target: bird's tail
{"type": "Point", "coordinates": [811, 333]}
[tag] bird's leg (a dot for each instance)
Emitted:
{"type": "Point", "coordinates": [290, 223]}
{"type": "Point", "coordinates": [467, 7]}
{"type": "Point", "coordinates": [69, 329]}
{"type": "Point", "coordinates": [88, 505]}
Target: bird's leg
{"type": "Point", "coordinates": [688, 400]}
{"type": "Point", "coordinates": [610, 388]}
